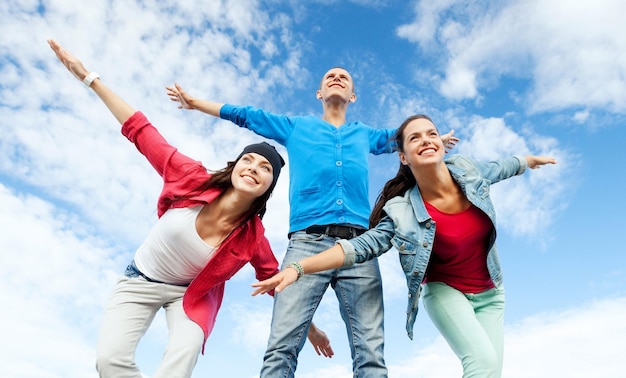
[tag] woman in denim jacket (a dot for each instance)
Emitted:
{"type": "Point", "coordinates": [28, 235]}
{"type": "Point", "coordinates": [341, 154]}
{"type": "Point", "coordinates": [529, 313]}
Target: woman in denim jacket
{"type": "Point", "coordinates": [439, 217]}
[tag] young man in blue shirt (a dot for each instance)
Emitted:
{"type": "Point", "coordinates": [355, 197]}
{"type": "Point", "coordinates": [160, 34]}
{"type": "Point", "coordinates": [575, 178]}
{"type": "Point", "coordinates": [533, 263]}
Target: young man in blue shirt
{"type": "Point", "coordinates": [329, 200]}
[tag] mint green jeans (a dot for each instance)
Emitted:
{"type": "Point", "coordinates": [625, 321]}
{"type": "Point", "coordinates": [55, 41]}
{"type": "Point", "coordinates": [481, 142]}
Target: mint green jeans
{"type": "Point", "coordinates": [472, 324]}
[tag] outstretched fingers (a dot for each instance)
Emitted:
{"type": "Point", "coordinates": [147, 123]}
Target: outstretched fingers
{"type": "Point", "coordinates": [278, 282]}
{"type": "Point", "coordinates": [320, 342]}
{"type": "Point", "coordinates": [174, 95]}
{"type": "Point", "coordinates": [535, 162]}
{"type": "Point", "coordinates": [72, 63]}
{"type": "Point", "coordinates": [265, 286]}
{"type": "Point", "coordinates": [177, 94]}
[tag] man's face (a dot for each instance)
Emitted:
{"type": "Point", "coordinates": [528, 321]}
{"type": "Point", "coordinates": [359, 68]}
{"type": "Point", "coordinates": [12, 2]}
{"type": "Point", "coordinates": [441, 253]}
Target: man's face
{"type": "Point", "coordinates": [336, 82]}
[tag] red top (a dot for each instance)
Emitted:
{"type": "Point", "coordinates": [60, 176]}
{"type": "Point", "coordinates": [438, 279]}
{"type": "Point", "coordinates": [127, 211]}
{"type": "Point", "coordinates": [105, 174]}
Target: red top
{"type": "Point", "coordinates": [459, 255]}
{"type": "Point", "coordinates": [247, 243]}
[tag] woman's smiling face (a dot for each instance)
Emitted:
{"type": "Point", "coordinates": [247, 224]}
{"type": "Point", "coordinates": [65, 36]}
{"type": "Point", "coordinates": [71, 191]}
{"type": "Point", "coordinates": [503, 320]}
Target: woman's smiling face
{"type": "Point", "coordinates": [253, 174]}
{"type": "Point", "coordinates": [421, 143]}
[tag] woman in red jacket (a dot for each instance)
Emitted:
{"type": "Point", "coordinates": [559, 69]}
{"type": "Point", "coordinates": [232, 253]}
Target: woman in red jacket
{"type": "Point", "coordinates": [209, 227]}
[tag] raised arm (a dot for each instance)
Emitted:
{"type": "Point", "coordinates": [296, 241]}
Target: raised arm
{"type": "Point", "coordinates": [537, 161]}
{"type": "Point", "coordinates": [118, 107]}
{"type": "Point", "coordinates": [329, 259]}
{"type": "Point", "coordinates": [186, 101]}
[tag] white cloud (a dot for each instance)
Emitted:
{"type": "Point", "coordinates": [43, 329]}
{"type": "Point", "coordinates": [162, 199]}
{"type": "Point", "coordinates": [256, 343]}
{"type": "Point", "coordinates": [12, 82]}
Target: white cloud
{"type": "Point", "coordinates": [572, 50]}
{"type": "Point", "coordinates": [581, 116]}
{"type": "Point", "coordinates": [579, 342]}
{"type": "Point", "coordinates": [525, 204]}
{"type": "Point", "coordinates": [252, 326]}
{"type": "Point", "coordinates": [576, 343]}
{"type": "Point", "coordinates": [55, 276]}
{"type": "Point", "coordinates": [424, 29]}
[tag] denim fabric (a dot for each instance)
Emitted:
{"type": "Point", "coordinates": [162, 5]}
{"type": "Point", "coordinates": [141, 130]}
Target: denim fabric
{"type": "Point", "coordinates": [472, 324]}
{"type": "Point", "coordinates": [359, 291]}
{"type": "Point", "coordinates": [132, 272]}
{"type": "Point", "coordinates": [409, 228]}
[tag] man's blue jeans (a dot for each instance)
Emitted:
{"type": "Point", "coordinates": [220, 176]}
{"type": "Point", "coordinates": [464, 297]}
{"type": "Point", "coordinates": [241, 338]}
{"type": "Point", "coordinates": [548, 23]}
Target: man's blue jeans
{"type": "Point", "coordinates": [359, 291]}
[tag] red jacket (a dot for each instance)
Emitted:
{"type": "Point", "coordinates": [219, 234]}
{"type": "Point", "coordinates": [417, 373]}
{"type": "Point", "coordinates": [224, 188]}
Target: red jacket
{"type": "Point", "coordinates": [247, 243]}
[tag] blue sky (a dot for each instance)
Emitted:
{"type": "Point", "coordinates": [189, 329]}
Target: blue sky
{"type": "Point", "coordinates": [510, 77]}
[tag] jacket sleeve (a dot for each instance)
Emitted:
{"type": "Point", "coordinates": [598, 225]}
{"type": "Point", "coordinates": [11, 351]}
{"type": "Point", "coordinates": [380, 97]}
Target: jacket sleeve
{"type": "Point", "coordinates": [263, 259]}
{"type": "Point", "coordinates": [502, 169]}
{"type": "Point", "coordinates": [369, 245]}
{"type": "Point", "coordinates": [165, 158]}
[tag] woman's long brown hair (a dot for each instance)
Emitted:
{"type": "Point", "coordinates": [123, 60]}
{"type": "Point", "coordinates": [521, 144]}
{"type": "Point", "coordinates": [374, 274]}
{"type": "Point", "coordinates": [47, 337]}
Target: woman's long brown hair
{"type": "Point", "coordinates": [404, 179]}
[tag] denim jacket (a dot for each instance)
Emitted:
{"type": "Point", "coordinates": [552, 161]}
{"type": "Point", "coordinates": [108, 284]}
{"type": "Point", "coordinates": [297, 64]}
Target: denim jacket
{"type": "Point", "coordinates": [409, 228]}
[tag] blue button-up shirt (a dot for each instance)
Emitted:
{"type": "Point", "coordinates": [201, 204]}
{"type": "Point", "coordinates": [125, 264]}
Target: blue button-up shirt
{"type": "Point", "coordinates": [328, 165]}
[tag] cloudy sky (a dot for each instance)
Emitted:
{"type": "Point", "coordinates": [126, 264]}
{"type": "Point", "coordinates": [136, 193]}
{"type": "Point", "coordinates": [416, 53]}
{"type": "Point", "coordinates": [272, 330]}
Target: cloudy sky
{"type": "Point", "coordinates": [510, 77]}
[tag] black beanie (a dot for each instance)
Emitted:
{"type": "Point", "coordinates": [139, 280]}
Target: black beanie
{"type": "Point", "coordinates": [269, 152]}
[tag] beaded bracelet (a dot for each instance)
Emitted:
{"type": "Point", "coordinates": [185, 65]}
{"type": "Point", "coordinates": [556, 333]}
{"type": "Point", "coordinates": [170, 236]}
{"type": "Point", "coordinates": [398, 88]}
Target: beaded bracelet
{"type": "Point", "coordinates": [296, 265]}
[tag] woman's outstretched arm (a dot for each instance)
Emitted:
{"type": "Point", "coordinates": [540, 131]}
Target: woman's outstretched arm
{"type": "Point", "coordinates": [329, 259]}
{"type": "Point", "coordinates": [118, 107]}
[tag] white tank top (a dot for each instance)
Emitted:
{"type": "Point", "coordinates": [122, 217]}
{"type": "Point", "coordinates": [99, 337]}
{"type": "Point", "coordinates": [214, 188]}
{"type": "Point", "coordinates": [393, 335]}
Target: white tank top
{"type": "Point", "coordinates": [173, 252]}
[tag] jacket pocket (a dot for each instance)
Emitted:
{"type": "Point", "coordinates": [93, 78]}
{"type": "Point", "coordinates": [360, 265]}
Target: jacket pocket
{"type": "Point", "coordinates": [407, 250]}
{"type": "Point", "coordinates": [482, 191]}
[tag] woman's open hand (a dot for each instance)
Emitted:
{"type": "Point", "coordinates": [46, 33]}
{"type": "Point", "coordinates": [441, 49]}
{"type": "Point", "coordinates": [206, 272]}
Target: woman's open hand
{"type": "Point", "coordinates": [535, 162]}
{"type": "Point", "coordinates": [72, 63]}
{"type": "Point", "coordinates": [280, 281]}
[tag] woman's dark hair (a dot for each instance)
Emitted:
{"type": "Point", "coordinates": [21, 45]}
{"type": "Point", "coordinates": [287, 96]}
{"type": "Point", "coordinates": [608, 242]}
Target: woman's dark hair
{"type": "Point", "coordinates": [404, 179]}
{"type": "Point", "coordinates": [221, 179]}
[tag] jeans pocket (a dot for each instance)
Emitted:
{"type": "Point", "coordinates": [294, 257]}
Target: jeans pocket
{"type": "Point", "coordinates": [301, 236]}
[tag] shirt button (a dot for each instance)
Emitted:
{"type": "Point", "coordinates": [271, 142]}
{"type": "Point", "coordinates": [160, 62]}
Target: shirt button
{"type": "Point", "coordinates": [342, 219]}
{"type": "Point", "coordinates": [428, 225]}
{"type": "Point", "coordinates": [339, 183]}
{"type": "Point", "coordinates": [416, 273]}
{"type": "Point", "coordinates": [338, 145]}
{"type": "Point", "coordinates": [425, 244]}
{"type": "Point", "coordinates": [339, 202]}
{"type": "Point", "coordinates": [338, 163]}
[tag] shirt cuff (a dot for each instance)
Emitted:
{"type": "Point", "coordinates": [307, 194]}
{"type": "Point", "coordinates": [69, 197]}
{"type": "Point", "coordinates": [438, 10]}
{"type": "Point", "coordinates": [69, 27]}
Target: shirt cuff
{"type": "Point", "coordinates": [225, 111]}
{"type": "Point", "coordinates": [349, 253]}
{"type": "Point", "coordinates": [523, 164]}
